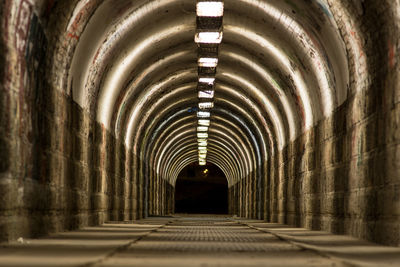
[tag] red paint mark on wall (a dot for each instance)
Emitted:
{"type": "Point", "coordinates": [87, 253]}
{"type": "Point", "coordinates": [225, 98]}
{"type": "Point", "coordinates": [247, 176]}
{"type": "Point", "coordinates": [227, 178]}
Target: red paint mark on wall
{"type": "Point", "coordinates": [22, 26]}
{"type": "Point", "coordinates": [77, 21]}
{"type": "Point", "coordinates": [301, 109]}
{"type": "Point", "coordinates": [391, 55]}
{"type": "Point", "coordinates": [73, 36]}
{"type": "Point", "coordinates": [6, 10]}
{"type": "Point", "coordinates": [357, 38]}
{"type": "Point", "coordinates": [21, 35]}
{"type": "Point", "coordinates": [80, 19]}
{"type": "Point", "coordinates": [96, 55]}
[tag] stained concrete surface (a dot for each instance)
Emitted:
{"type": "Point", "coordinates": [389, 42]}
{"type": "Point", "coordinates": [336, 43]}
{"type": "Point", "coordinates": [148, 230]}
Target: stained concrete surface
{"type": "Point", "coordinates": [196, 241]}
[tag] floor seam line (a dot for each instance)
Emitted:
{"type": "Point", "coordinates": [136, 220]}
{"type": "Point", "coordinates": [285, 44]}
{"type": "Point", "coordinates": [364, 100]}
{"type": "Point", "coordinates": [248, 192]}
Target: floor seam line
{"type": "Point", "coordinates": [302, 246]}
{"type": "Point", "coordinates": [121, 248]}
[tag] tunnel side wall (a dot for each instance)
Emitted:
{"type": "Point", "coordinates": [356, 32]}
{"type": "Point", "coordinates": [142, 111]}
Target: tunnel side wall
{"type": "Point", "coordinates": [244, 199]}
{"type": "Point", "coordinates": [343, 174]}
{"type": "Point", "coordinates": [59, 168]}
{"type": "Point", "coordinates": [346, 182]}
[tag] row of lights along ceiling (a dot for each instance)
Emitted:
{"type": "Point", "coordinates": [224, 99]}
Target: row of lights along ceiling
{"type": "Point", "coordinates": [208, 37]}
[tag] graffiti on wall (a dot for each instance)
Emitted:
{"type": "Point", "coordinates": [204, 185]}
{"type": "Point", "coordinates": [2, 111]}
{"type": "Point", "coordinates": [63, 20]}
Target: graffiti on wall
{"type": "Point", "coordinates": [27, 47]}
{"type": "Point", "coordinates": [391, 54]}
{"type": "Point", "coordinates": [22, 25]}
{"type": "Point", "coordinates": [35, 53]}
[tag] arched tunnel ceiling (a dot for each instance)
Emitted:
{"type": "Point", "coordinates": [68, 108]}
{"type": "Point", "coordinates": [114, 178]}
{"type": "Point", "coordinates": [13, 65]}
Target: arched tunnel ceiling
{"type": "Point", "coordinates": [282, 68]}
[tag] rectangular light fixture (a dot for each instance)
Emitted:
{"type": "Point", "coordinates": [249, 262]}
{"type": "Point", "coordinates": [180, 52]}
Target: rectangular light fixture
{"type": "Point", "coordinates": [210, 9]}
{"type": "Point", "coordinates": [202, 163]}
{"type": "Point", "coordinates": [204, 105]}
{"type": "Point", "coordinates": [203, 122]}
{"type": "Point", "coordinates": [208, 37]}
{"type": "Point", "coordinates": [209, 62]}
{"type": "Point", "coordinates": [202, 143]}
{"type": "Point", "coordinates": [210, 81]}
{"type": "Point", "coordinates": [203, 114]}
{"type": "Point", "coordinates": [202, 135]}
{"type": "Point", "coordinates": [202, 148]}
{"type": "Point", "coordinates": [206, 94]}
{"type": "Point", "coordinates": [202, 128]}
{"type": "Point", "coordinates": [201, 156]}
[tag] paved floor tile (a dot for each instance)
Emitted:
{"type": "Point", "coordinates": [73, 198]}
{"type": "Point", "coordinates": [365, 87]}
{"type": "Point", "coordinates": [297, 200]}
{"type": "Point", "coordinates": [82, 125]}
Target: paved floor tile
{"type": "Point", "coordinates": [196, 241]}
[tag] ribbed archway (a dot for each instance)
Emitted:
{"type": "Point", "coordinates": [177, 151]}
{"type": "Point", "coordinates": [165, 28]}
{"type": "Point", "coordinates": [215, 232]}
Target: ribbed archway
{"type": "Point", "coordinates": [101, 102]}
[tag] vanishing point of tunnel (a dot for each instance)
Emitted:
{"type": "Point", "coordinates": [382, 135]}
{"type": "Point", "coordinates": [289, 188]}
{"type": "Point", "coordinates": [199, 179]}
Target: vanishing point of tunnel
{"type": "Point", "coordinates": [199, 133]}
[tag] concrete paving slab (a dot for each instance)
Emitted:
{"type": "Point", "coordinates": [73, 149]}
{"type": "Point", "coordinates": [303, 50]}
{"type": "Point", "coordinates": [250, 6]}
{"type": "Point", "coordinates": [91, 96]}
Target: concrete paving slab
{"type": "Point", "coordinates": [196, 241]}
{"type": "Point", "coordinates": [74, 248]}
{"type": "Point", "coordinates": [348, 249]}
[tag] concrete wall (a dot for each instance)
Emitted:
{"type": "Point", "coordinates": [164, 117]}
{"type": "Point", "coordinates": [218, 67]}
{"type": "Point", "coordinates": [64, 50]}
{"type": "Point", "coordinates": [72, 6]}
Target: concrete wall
{"type": "Point", "coordinates": [343, 175]}
{"type": "Point", "coordinates": [346, 181]}
{"type": "Point", "coordinates": [59, 168]}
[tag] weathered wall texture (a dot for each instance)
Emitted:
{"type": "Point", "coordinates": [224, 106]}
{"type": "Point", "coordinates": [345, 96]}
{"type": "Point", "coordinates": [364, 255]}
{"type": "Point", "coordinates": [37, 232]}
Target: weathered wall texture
{"type": "Point", "coordinates": [343, 175]}
{"type": "Point", "coordinates": [346, 181]}
{"type": "Point", "coordinates": [64, 178]}
{"type": "Point", "coordinates": [59, 169]}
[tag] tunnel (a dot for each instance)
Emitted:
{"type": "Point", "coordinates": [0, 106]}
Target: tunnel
{"type": "Point", "coordinates": [111, 111]}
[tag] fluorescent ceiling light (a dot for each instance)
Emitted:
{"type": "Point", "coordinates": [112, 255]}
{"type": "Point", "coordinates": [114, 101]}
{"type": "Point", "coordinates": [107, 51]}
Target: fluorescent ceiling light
{"type": "Point", "coordinates": [210, 9]}
{"type": "Point", "coordinates": [208, 37]}
{"type": "Point", "coordinates": [203, 122]}
{"type": "Point", "coordinates": [202, 163]}
{"type": "Point", "coordinates": [202, 143]}
{"type": "Point", "coordinates": [210, 81]}
{"type": "Point", "coordinates": [204, 105]}
{"type": "Point", "coordinates": [202, 135]}
{"type": "Point", "coordinates": [206, 94]}
{"type": "Point", "coordinates": [203, 148]}
{"type": "Point", "coordinates": [210, 62]}
{"type": "Point", "coordinates": [203, 114]}
{"type": "Point", "coordinates": [202, 128]}
{"type": "Point", "coordinates": [202, 156]}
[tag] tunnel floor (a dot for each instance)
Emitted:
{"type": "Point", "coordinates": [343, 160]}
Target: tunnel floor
{"type": "Point", "coordinates": [196, 241]}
